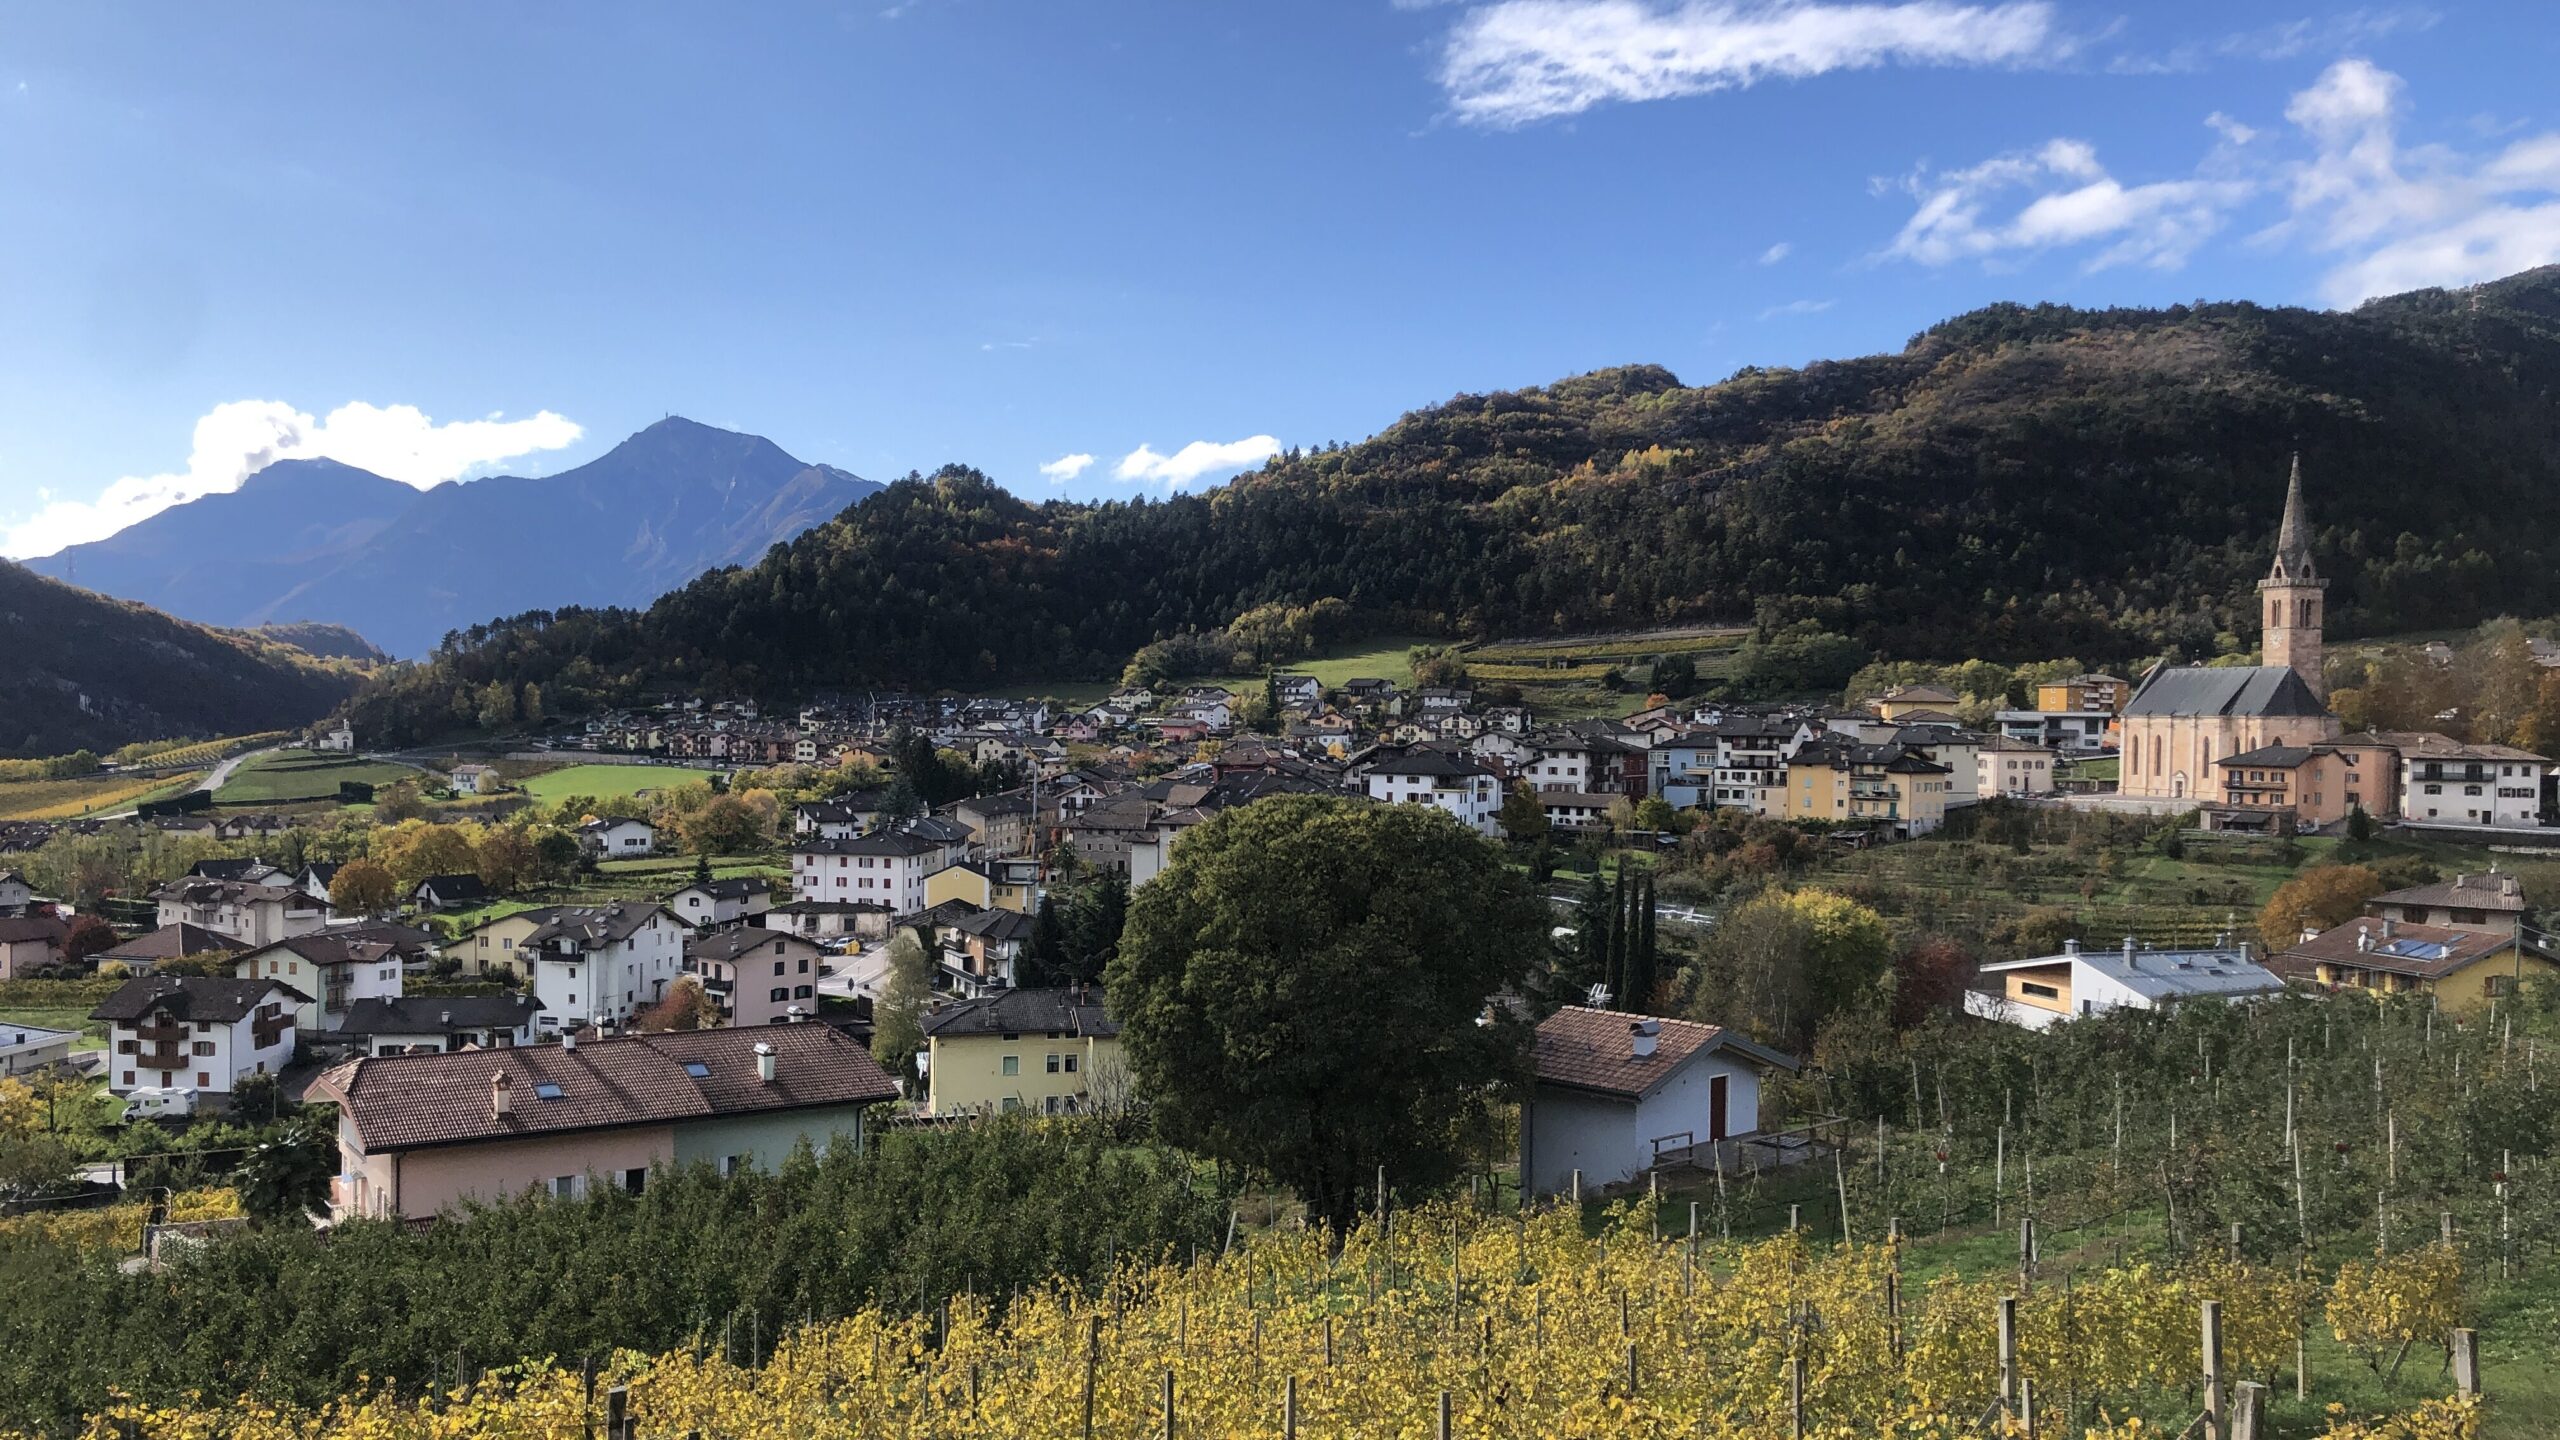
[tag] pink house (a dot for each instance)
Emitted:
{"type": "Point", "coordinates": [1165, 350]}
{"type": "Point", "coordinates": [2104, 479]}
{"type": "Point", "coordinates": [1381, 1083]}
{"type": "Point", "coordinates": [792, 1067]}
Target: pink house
{"type": "Point", "coordinates": [422, 1134]}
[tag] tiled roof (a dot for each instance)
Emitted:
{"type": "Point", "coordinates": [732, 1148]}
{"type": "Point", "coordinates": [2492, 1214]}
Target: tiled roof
{"type": "Point", "coordinates": [33, 927]}
{"type": "Point", "coordinates": [731, 943]}
{"type": "Point", "coordinates": [408, 1102]}
{"type": "Point", "coordinates": [437, 1014]}
{"type": "Point", "coordinates": [1073, 1011]}
{"type": "Point", "coordinates": [736, 889]}
{"type": "Point", "coordinates": [325, 948]}
{"type": "Point", "coordinates": [2268, 757]}
{"type": "Point", "coordinates": [171, 941]}
{"type": "Point", "coordinates": [2464, 892]}
{"type": "Point", "coordinates": [2423, 952]}
{"type": "Point", "coordinates": [587, 924]}
{"type": "Point", "coordinates": [880, 842]}
{"type": "Point", "coordinates": [1585, 1049]}
{"type": "Point", "coordinates": [191, 997]}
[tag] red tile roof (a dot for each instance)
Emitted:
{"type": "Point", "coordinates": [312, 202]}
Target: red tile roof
{"type": "Point", "coordinates": [407, 1102]}
{"type": "Point", "coordinates": [1594, 1050]}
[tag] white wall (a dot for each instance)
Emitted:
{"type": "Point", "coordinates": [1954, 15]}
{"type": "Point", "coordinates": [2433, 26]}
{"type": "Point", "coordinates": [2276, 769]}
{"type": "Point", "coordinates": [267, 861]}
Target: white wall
{"type": "Point", "coordinates": [1611, 1141]}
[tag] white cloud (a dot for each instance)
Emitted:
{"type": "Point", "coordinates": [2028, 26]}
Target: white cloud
{"type": "Point", "coordinates": [1066, 467]}
{"type": "Point", "coordinates": [236, 439]}
{"type": "Point", "coordinates": [2404, 219]}
{"type": "Point", "coordinates": [1775, 253]}
{"type": "Point", "coordinates": [1797, 307]}
{"type": "Point", "coordinates": [1192, 461]}
{"type": "Point", "coordinates": [2284, 40]}
{"type": "Point", "coordinates": [2074, 202]}
{"type": "Point", "coordinates": [2229, 129]}
{"type": "Point", "coordinates": [1516, 62]}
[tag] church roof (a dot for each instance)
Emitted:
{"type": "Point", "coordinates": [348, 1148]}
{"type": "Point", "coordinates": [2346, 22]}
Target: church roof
{"type": "Point", "coordinates": [2224, 690]}
{"type": "Point", "coordinates": [2293, 538]}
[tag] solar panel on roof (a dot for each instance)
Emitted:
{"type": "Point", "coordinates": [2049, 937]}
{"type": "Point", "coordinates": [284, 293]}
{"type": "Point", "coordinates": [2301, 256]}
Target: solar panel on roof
{"type": "Point", "coordinates": [2415, 949]}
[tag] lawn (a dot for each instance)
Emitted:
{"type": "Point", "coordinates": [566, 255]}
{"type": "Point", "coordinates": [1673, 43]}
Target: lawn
{"type": "Point", "coordinates": [285, 776]}
{"type": "Point", "coordinates": [606, 782]}
{"type": "Point", "coordinates": [88, 795]}
{"type": "Point", "coordinates": [93, 1033]}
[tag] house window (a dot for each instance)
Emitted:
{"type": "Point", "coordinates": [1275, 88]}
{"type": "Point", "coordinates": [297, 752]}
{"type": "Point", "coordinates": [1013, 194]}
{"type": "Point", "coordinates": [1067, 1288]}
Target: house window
{"type": "Point", "coordinates": [204, 1080]}
{"type": "Point", "coordinates": [803, 992]}
{"type": "Point", "coordinates": [203, 1047]}
{"type": "Point", "coordinates": [2043, 992]}
{"type": "Point", "coordinates": [1013, 1065]}
{"type": "Point", "coordinates": [1053, 1064]}
{"type": "Point", "coordinates": [1071, 1064]}
{"type": "Point", "coordinates": [634, 1180]}
{"type": "Point", "coordinates": [128, 1078]}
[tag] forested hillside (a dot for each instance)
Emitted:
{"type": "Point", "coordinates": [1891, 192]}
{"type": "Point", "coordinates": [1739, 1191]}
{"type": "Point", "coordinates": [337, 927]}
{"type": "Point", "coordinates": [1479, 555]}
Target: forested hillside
{"type": "Point", "coordinates": [2015, 482]}
{"type": "Point", "coordinates": [87, 672]}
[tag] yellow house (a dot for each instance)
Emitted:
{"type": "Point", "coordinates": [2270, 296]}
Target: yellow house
{"type": "Point", "coordinates": [1903, 700]}
{"type": "Point", "coordinates": [2463, 969]}
{"type": "Point", "coordinates": [2084, 692]}
{"type": "Point", "coordinates": [1836, 778]}
{"type": "Point", "coordinates": [496, 942]}
{"type": "Point", "coordinates": [986, 885]}
{"type": "Point", "coordinates": [1050, 1051]}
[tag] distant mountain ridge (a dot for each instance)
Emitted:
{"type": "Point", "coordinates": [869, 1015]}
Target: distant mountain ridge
{"type": "Point", "coordinates": [319, 541]}
{"type": "Point", "coordinates": [89, 672]}
{"type": "Point", "coordinates": [2021, 482]}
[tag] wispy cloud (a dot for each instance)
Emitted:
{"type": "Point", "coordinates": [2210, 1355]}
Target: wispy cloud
{"type": "Point", "coordinates": [1007, 344]}
{"type": "Point", "coordinates": [1516, 62]}
{"type": "Point", "coordinates": [2283, 40]}
{"type": "Point", "coordinates": [1776, 253]}
{"type": "Point", "coordinates": [2406, 218]}
{"type": "Point", "coordinates": [1067, 467]}
{"type": "Point", "coordinates": [1797, 307]}
{"type": "Point", "coordinates": [2073, 202]}
{"type": "Point", "coordinates": [237, 439]}
{"type": "Point", "coordinates": [1194, 461]}
{"type": "Point", "coordinates": [2338, 184]}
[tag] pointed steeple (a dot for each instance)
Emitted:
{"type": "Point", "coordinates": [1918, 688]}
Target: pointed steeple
{"type": "Point", "coordinates": [2293, 538]}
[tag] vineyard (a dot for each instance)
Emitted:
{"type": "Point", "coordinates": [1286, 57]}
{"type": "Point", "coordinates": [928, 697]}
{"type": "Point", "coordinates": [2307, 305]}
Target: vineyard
{"type": "Point", "coordinates": [1446, 1321]}
{"type": "Point", "coordinates": [87, 795]}
{"type": "Point", "coordinates": [117, 1229]}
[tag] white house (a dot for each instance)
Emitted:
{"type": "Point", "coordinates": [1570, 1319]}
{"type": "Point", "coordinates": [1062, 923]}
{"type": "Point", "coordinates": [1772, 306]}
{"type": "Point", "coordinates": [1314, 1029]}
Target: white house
{"type": "Point", "coordinates": [757, 976]}
{"type": "Point", "coordinates": [721, 902]}
{"type": "Point", "coordinates": [1460, 786]}
{"type": "Point", "coordinates": [1617, 1094]}
{"type": "Point", "coordinates": [474, 780]}
{"type": "Point", "coordinates": [331, 972]}
{"type": "Point", "coordinates": [2472, 785]}
{"type": "Point", "coordinates": [15, 893]}
{"type": "Point", "coordinates": [340, 736]}
{"type": "Point", "coordinates": [171, 1031]}
{"type": "Point", "coordinates": [618, 837]}
{"type": "Point", "coordinates": [829, 919]}
{"type": "Point", "coordinates": [889, 866]}
{"type": "Point", "coordinates": [251, 913]}
{"type": "Point", "coordinates": [25, 1049]}
{"type": "Point", "coordinates": [601, 965]}
{"type": "Point", "coordinates": [2012, 767]}
{"type": "Point", "coordinates": [2043, 990]}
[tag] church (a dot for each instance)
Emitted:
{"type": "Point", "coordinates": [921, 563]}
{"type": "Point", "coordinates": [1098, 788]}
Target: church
{"type": "Point", "coordinates": [2185, 720]}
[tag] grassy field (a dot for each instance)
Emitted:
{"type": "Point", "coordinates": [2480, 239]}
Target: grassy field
{"type": "Point", "coordinates": [93, 1033]}
{"type": "Point", "coordinates": [89, 795]}
{"type": "Point", "coordinates": [294, 775]}
{"type": "Point", "coordinates": [1607, 649]}
{"type": "Point", "coordinates": [606, 782]}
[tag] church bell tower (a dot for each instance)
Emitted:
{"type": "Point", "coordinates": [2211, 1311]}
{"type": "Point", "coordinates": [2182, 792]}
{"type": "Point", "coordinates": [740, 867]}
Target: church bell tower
{"type": "Point", "coordinates": [2291, 595]}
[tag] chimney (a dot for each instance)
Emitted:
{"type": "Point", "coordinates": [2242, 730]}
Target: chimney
{"type": "Point", "coordinates": [764, 1062]}
{"type": "Point", "coordinates": [2390, 928]}
{"type": "Point", "coordinates": [2070, 946]}
{"type": "Point", "coordinates": [569, 1040]}
{"type": "Point", "coordinates": [1642, 1035]}
{"type": "Point", "coordinates": [2129, 962]}
{"type": "Point", "coordinates": [444, 1017]}
{"type": "Point", "coordinates": [500, 1105]}
{"type": "Point", "coordinates": [2244, 952]}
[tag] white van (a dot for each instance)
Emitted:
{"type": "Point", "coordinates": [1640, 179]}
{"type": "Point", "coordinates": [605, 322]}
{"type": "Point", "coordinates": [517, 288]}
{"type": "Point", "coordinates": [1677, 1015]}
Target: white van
{"type": "Point", "coordinates": [157, 1100]}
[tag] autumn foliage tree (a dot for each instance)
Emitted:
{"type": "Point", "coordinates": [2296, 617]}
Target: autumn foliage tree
{"type": "Point", "coordinates": [361, 887]}
{"type": "Point", "coordinates": [89, 935]}
{"type": "Point", "coordinates": [2316, 899]}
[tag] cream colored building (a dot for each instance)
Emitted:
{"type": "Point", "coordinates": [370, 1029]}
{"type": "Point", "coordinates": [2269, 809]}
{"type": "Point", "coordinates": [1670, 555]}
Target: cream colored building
{"type": "Point", "coordinates": [2185, 720]}
{"type": "Point", "coordinates": [2012, 767]}
{"type": "Point", "coordinates": [1053, 1052]}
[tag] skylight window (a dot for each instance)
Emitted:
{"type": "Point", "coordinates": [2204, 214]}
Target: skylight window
{"type": "Point", "coordinates": [545, 1090]}
{"type": "Point", "coordinates": [697, 1070]}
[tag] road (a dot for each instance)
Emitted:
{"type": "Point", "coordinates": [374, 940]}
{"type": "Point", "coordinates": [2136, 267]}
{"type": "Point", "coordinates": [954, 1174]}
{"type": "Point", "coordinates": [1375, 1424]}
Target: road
{"type": "Point", "coordinates": [1662, 909]}
{"type": "Point", "coordinates": [223, 771]}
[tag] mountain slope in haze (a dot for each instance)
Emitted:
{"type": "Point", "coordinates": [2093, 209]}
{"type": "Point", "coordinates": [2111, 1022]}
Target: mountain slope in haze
{"type": "Point", "coordinates": [86, 671]}
{"type": "Point", "coordinates": [313, 540]}
{"type": "Point", "coordinates": [2019, 482]}
{"type": "Point", "coordinates": [222, 559]}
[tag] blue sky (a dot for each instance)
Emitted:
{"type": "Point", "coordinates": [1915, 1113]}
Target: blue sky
{"type": "Point", "coordinates": [452, 240]}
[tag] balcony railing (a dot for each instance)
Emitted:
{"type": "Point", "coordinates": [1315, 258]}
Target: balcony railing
{"type": "Point", "coordinates": [161, 1060]}
{"type": "Point", "coordinates": [166, 1032]}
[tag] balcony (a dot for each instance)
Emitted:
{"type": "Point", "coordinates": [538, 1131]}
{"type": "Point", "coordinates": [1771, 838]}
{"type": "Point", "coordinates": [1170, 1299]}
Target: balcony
{"type": "Point", "coordinates": [169, 1059]}
{"type": "Point", "coordinates": [167, 1032]}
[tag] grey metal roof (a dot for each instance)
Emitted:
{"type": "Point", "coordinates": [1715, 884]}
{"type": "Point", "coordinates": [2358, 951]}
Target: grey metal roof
{"type": "Point", "coordinates": [2231, 690]}
{"type": "Point", "coordinates": [2169, 974]}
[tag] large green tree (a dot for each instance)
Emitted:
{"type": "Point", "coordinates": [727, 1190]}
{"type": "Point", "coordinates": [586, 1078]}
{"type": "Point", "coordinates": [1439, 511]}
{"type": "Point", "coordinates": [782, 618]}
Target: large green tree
{"type": "Point", "coordinates": [1300, 993]}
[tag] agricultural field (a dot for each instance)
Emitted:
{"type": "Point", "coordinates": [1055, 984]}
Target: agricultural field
{"type": "Point", "coordinates": [88, 795]}
{"type": "Point", "coordinates": [1610, 649]}
{"type": "Point", "coordinates": [285, 777]}
{"type": "Point", "coordinates": [93, 1033]}
{"type": "Point", "coordinates": [194, 752]}
{"type": "Point", "coordinates": [605, 782]}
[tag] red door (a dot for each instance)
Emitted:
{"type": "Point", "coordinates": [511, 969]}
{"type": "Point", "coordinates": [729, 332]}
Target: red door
{"type": "Point", "coordinates": [1715, 1106]}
